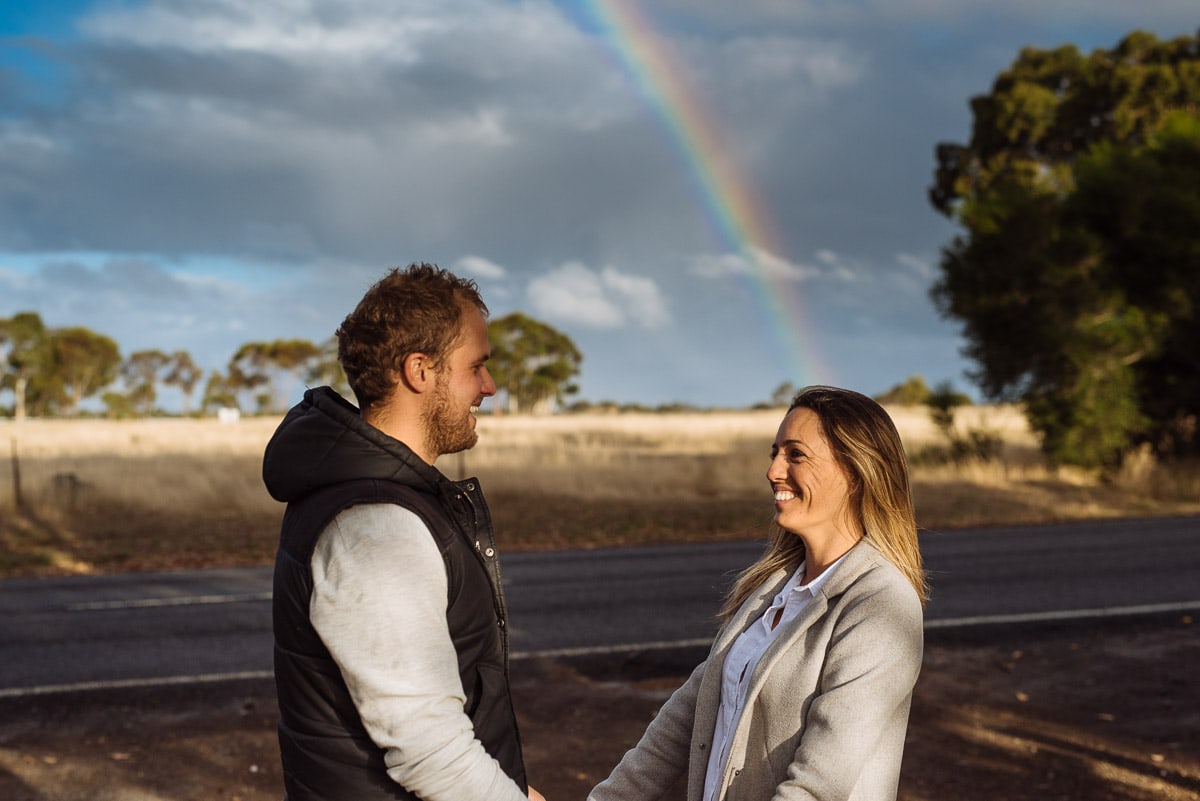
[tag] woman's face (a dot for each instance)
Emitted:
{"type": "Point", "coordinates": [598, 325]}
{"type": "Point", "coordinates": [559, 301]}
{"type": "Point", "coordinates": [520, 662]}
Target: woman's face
{"type": "Point", "coordinates": [812, 492]}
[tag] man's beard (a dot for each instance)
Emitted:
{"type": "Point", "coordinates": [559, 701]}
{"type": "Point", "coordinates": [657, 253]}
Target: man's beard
{"type": "Point", "coordinates": [446, 431]}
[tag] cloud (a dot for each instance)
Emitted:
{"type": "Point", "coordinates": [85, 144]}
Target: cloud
{"type": "Point", "coordinates": [288, 28]}
{"type": "Point", "coordinates": [915, 276]}
{"type": "Point", "coordinates": [208, 309]}
{"type": "Point", "coordinates": [573, 292]}
{"type": "Point", "coordinates": [750, 62]}
{"type": "Point", "coordinates": [309, 130]}
{"type": "Point", "coordinates": [757, 262]}
{"type": "Point", "coordinates": [480, 267]}
{"type": "Point", "coordinates": [838, 268]}
{"type": "Point", "coordinates": [306, 145]}
{"type": "Point", "coordinates": [117, 281]}
{"type": "Point", "coordinates": [604, 299]}
{"type": "Point", "coordinates": [919, 266]}
{"type": "Point", "coordinates": [645, 305]}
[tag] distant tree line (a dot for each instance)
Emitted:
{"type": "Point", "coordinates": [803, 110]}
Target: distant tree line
{"type": "Point", "coordinates": [52, 371]}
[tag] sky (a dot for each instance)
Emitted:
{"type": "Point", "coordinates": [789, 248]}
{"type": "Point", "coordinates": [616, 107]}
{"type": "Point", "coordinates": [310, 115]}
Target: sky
{"type": "Point", "coordinates": [710, 198]}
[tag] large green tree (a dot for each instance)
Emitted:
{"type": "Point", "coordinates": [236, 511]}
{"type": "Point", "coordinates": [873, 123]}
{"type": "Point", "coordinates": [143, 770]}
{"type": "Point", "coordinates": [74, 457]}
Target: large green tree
{"type": "Point", "coordinates": [1142, 206]}
{"type": "Point", "coordinates": [1076, 275]}
{"type": "Point", "coordinates": [532, 363]}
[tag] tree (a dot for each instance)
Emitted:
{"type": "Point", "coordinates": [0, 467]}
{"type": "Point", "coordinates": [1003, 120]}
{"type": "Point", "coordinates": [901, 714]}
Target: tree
{"type": "Point", "coordinates": [1068, 303]}
{"type": "Point", "coordinates": [118, 405]}
{"type": "Point", "coordinates": [531, 362]}
{"type": "Point", "coordinates": [942, 401]}
{"type": "Point", "coordinates": [975, 444]}
{"type": "Point", "coordinates": [218, 393]}
{"type": "Point", "coordinates": [182, 372]}
{"type": "Point", "coordinates": [783, 394]}
{"type": "Point", "coordinates": [1051, 106]}
{"type": "Point", "coordinates": [24, 351]}
{"type": "Point", "coordinates": [269, 368]}
{"type": "Point", "coordinates": [912, 392]}
{"type": "Point", "coordinates": [140, 373]}
{"type": "Point", "coordinates": [1141, 206]}
{"type": "Point", "coordinates": [83, 362]}
{"type": "Point", "coordinates": [326, 370]}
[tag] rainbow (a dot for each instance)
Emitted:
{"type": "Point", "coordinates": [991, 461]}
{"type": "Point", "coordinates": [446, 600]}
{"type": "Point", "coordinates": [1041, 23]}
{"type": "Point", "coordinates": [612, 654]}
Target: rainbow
{"type": "Point", "coordinates": [742, 222]}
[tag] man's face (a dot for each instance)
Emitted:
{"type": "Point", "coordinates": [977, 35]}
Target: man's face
{"type": "Point", "coordinates": [461, 384]}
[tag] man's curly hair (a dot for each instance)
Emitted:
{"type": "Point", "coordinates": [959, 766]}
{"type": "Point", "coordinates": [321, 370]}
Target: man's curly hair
{"type": "Point", "coordinates": [412, 310]}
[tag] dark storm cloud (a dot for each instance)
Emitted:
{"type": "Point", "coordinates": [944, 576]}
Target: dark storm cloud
{"type": "Point", "coordinates": [262, 163]}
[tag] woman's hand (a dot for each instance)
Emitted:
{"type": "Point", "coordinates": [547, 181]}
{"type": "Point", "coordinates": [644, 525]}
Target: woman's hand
{"type": "Point", "coordinates": [534, 795]}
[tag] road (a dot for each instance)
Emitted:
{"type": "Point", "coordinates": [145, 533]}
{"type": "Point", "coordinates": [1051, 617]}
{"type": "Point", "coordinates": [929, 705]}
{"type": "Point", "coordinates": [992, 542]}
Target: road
{"type": "Point", "coordinates": [132, 630]}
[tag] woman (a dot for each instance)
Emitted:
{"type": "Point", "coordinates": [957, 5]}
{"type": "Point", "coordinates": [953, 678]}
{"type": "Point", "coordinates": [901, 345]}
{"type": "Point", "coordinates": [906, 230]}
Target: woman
{"type": "Point", "coordinates": [806, 691]}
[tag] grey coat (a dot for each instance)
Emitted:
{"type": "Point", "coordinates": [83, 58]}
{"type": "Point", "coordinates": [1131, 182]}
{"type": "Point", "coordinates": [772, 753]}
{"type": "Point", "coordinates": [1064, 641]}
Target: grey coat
{"type": "Point", "coordinates": [827, 709]}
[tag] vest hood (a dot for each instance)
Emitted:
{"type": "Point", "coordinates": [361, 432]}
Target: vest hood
{"type": "Point", "coordinates": [323, 440]}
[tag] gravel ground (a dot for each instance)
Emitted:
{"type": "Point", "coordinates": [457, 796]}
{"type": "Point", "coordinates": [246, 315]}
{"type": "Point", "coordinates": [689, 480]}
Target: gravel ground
{"type": "Point", "coordinates": [1096, 713]}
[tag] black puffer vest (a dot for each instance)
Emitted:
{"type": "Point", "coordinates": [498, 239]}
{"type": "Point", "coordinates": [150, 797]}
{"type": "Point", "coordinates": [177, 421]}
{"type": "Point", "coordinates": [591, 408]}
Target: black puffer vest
{"type": "Point", "coordinates": [326, 752]}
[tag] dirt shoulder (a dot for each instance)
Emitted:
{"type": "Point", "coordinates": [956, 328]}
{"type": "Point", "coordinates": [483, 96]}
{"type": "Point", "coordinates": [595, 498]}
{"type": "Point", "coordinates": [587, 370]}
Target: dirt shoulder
{"type": "Point", "coordinates": [1098, 713]}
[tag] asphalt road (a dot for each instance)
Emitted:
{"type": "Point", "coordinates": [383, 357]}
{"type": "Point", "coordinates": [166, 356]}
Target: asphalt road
{"type": "Point", "coordinates": [133, 630]}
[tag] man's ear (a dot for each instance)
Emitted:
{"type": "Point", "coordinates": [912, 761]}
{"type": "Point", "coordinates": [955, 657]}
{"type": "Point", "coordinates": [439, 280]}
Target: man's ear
{"type": "Point", "coordinates": [418, 372]}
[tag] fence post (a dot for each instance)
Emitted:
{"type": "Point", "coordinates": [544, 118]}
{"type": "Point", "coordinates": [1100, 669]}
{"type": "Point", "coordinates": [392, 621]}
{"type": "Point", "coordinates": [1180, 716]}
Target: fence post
{"type": "Point", "coordinates": [18, 501]}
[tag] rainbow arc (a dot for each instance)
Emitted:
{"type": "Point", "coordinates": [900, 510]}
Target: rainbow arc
{"type": "Point", "coordinates": [736, 212]}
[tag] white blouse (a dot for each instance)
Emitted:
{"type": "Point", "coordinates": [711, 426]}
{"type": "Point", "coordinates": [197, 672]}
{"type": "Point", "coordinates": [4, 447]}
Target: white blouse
{"type": "Point", "coordinates": [743, 658]}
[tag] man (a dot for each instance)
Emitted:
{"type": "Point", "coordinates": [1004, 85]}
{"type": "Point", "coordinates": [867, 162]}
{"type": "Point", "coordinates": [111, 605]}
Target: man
{"type": "Point", "coordinates": [391, 650]}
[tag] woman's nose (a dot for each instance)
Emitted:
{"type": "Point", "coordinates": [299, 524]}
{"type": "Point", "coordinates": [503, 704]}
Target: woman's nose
{"type": "Point", "coordinates": [775, 470]}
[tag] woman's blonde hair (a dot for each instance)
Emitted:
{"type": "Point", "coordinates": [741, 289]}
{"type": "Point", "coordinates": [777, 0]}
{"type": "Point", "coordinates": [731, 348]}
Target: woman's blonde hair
{"type": "Point", "coordinates": [865, 443]}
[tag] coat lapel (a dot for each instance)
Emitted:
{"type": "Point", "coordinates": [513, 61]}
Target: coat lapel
{"type": "Point", "coordinates": [858, 560]}
{"type": "Point", "coordinates": [708, 698]}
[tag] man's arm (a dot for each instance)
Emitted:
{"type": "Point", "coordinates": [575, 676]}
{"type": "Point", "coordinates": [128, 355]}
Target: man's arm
{"type": "Point", "coordinates": [379, 605]}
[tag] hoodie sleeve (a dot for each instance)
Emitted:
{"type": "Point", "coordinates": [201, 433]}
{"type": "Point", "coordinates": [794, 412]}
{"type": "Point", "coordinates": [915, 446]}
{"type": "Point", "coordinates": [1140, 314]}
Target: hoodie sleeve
{"type": "Point", "coordinates": [379, 605]}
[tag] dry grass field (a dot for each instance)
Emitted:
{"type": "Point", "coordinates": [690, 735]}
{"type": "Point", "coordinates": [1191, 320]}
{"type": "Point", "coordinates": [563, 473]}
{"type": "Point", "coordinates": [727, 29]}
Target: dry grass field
{"type": "Point", "coordinates": [102, 496]}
